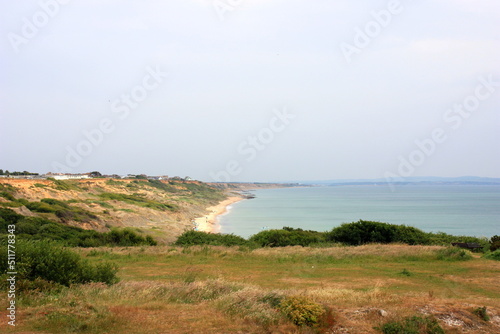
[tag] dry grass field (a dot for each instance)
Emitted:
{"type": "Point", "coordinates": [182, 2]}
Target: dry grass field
{"type": "Point", "coordinates": [211, 289]}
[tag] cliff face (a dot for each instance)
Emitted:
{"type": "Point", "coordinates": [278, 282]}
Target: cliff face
{"type": "Point", "coordinates": [164, 209]}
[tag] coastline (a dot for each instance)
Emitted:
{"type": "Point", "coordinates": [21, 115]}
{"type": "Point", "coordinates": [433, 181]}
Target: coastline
{"type": "Point", "coordinates": [209, 223]}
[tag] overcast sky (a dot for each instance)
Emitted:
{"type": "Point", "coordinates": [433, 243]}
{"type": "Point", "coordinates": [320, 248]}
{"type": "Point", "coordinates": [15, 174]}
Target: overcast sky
{"type": "Point", "coordinates": [251, 90]}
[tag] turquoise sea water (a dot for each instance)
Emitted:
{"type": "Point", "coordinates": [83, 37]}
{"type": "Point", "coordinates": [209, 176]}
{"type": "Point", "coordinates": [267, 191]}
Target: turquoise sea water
{"type": "Point", "coordinates": [454, 209]}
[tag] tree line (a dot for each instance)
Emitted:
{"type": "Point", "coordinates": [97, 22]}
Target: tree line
{"type": "Point", "coordinates": [6, 172]}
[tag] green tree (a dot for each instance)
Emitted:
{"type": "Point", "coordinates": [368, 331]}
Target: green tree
{"type": "Point", "coordinates": [494, 243]}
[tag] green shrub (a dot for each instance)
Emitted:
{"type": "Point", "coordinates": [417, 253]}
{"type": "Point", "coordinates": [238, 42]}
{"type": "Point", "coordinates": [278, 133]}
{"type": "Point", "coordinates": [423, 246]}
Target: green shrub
{"type": "Point", "coordinates": [61, 209]}
{"type": "Point", "coordinates": [37, 228]}
{"type": "Point", "coordinates": [287, 237]}
{"type": "Point", "coordinates": [406, 272]}
{"type": "Point", "coordinates": [162, 186]}
{"type": "Point", "coordinates": [41, 207]}
{"type": "Point", "coordinates": [200, 191]}
{"type": "Point", "coordinates": [482, 313]}
{"type": "Point", "coordinates": [192, 238]}
{"type": "Point", "coordinates": [27, 226]}
{"type": "Point", "coordinates": [53, 202]}
{"type": "Point", "coordinates": [128, 237]}
{"type": "Point", "coordinates": [22, 201]}
{"type": "Point", "coordinates": [363, 232]}
{"type": "Point", "coordinates": [113, 182]}
{"type": "Point", "coordinates": [411, 235]}
{"type": "Point", "coordinates": [301, 310]}
{"type": "Point", "coordinates": [412, 325]}
{"type": "Point", "coordinates": [75, 214]}
{"type": "Point", "coordinates": [64, 185]}
{"type": "Point", "coordinates": [49, 261]}
{"type": "Point", "coordinates": [8, 217]}
{"type": "Point", "coordinates": [139, 200]}
{"type": "Point", "coordinates": [493, 255]}
{"type": "Point", "coordinates": [7, 195]}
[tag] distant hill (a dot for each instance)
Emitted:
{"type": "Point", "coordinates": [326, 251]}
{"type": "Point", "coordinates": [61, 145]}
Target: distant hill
{"type": "Point", "coordinates": [417, 180]}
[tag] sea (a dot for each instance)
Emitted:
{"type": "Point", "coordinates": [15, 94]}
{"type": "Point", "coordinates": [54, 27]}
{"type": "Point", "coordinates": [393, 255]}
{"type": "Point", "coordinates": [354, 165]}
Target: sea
{"type": "Point", "coordinates": [472, 210]}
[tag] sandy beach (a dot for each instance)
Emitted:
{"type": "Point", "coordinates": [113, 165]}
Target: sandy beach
{"type": "Point", "coordinates": [208, 223]}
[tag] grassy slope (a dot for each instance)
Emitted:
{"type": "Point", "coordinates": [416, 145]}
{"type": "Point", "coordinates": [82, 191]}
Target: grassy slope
{"type": "Point", "coordinates": [219, 290]}
{"type": "Point", "coordinates": [164, 209]}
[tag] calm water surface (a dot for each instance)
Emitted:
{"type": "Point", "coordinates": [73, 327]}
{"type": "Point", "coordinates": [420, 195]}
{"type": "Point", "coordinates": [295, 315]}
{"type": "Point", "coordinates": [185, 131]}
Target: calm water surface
{"type": "Point", "coordinates": [458, 210]}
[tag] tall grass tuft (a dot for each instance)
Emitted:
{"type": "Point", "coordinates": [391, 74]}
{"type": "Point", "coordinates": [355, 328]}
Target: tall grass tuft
{"type": "Point", "coordinates": [250, 304]}
{"type": "Point", "coordinates": [453, 254]}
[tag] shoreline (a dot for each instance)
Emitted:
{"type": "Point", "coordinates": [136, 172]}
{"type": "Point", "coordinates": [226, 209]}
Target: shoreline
{"type": "Point", "coordinates": [209, 222]}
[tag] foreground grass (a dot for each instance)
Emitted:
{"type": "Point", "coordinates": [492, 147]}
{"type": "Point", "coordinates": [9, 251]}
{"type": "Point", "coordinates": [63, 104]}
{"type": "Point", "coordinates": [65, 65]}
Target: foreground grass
{"type": "Point", "coordinates": [229, 290]}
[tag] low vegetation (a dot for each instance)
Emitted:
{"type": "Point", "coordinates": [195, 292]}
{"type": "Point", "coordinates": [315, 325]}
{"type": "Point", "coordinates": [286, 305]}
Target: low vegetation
{"type": "Point", "coordinates": [352, 234]}
{"type": "Point", "coordinates": [46, 261]}
{"type": "Point", "coordinates": [482, 313]}
{"type": "Point", "coordinates": [214, 289]}
{"type": "Point", "coordinates": [139, 200]}
{"type": "Point", "coordinates": [413, 325]}
{"type": "Point", "coordinates": [287, 237]}
{"type": "Point", "coordinates": [36, 228]}
{"type": "Point", "coordinates": [301, 310]}
{"type": "Point", "coordinates": [191, 238]}
{"type": "Point", "coordinates": [493, 255]}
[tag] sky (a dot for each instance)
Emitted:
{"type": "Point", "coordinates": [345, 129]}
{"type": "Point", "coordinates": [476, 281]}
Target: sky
{"type": "Point", "coordinates": [251, 90]}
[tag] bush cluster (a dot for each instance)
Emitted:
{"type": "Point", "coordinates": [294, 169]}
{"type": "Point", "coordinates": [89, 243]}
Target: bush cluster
{"type": "Point", "coordinates": [493, 255]}
{"type": "Point", "coordinates": [139, 200]}
{"type": "Point", "coordinates": [62, 210]}
{"type": "Point", "coordinates": [355, 234]}
{"type": "Point", "coordinates": [363, 232]}
{"type": "Point", "coordinates": [36, 228]}
{"type": "Point", "coordinates": [64, 185]}
{"type": "Point", "coordinates": [287, 237]}
{"type": "Point", "coordinates": [191, 238]}
{"type": "Point", "coordinates": [161, 185]}
{"type": "Point", "coordinates": [49, 261]}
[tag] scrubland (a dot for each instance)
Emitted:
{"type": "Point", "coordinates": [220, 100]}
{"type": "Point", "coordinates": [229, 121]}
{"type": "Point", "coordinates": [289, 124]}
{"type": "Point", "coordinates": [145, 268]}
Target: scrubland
{"type": "Point", "coordinates": [216, 289]}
